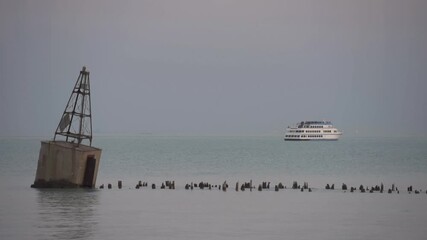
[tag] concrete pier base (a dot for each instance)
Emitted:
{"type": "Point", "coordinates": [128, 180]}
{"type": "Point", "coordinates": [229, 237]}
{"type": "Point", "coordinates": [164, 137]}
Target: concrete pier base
{"type": "Point", "coordinates": [66, 165]}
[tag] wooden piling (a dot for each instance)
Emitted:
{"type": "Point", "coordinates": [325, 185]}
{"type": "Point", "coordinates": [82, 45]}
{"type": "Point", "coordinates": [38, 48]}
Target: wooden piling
{"type": "Point", "coordinates": [265, 185]}
{"type": "Point", "coordinates": [305, 186]}
{"type": "Point", "coordinates": [295, 185]}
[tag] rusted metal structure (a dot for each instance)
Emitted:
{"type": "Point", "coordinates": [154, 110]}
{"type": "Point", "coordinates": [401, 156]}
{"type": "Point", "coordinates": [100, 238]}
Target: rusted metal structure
{"type": "Point", "coordinates": [76, 121]}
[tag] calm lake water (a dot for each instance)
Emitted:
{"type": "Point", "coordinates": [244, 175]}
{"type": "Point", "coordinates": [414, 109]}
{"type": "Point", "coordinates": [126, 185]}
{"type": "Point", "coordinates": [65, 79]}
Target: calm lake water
{"type": "Point", "coordinates": [128, 213]}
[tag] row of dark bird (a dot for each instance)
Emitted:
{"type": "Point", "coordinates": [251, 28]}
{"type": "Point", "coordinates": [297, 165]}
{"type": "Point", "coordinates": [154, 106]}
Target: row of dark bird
{"type": "Point", "coordinates": [263, 186]}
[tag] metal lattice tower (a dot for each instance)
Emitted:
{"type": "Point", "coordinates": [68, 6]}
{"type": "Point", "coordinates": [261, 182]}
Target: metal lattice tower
{"type": "Point", "coordinates": [76, 122]}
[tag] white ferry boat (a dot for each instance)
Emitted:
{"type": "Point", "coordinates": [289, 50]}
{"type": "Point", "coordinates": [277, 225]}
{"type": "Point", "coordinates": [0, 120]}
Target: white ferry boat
{"type": "Point", "coordinates": [312, 130]}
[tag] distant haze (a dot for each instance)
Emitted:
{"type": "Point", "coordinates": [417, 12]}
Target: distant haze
{"type": "Point", "coordinates": [216, 67]}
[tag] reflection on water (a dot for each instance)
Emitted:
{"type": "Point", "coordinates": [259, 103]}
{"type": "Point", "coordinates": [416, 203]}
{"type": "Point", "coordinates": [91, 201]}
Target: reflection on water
{"type": "Point", "coordinates": [67, 213]}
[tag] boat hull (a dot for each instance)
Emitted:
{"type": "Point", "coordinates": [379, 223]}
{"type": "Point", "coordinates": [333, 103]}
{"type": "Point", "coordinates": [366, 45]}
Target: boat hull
{"type": "Point", "coordinates": [305, 140]}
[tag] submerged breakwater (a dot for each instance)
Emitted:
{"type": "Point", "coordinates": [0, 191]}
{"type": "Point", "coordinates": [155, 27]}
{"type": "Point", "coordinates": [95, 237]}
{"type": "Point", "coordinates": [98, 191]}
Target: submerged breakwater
{"type": "Point", "coordinates": [266, 186]}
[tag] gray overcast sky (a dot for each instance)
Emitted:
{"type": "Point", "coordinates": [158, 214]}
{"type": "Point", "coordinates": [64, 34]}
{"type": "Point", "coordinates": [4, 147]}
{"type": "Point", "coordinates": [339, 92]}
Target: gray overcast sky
{"type": "Point", "coordinates": [225, 67]}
